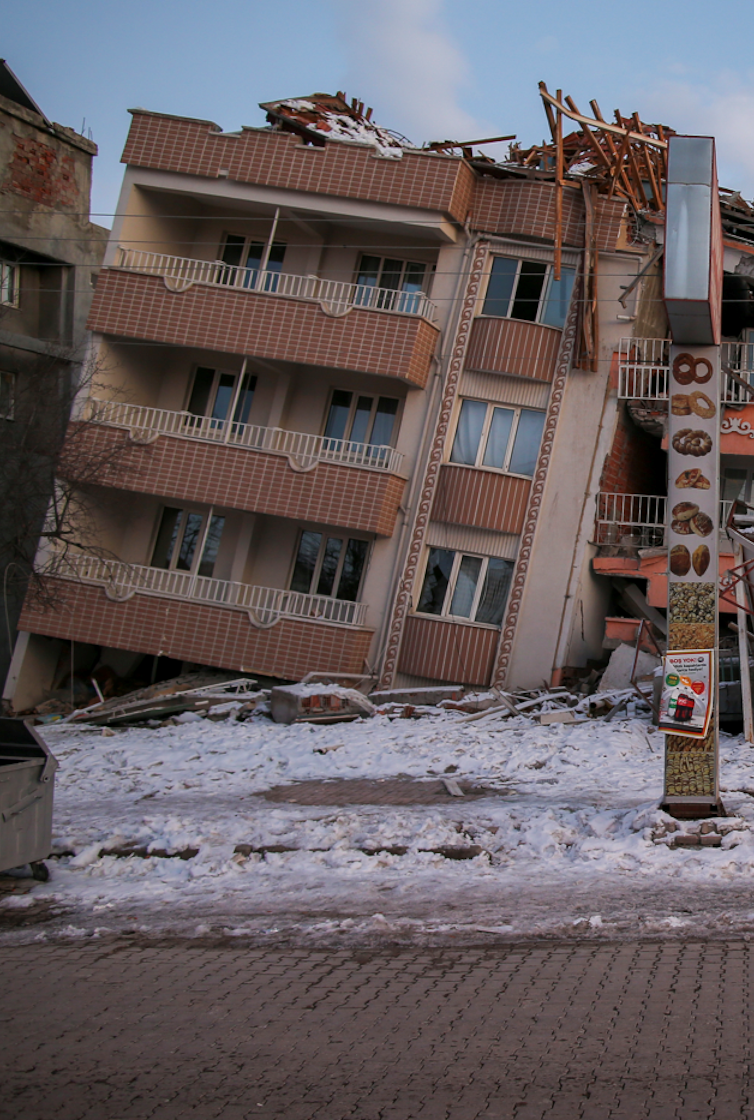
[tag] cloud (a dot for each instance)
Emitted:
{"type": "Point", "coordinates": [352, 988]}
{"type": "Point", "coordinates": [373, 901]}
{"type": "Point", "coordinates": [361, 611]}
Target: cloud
{"type": "Point", "coordinates": [723, 108]}
{"type": "Point", "coordinates": [404, 62]}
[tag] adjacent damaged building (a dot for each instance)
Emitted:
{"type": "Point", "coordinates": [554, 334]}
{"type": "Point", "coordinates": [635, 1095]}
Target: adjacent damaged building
{"type": "Point", "coordinates": [378, 410]}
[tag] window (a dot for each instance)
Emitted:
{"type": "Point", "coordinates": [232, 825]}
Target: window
{"type": "Point", "coordinates": [361, 419]}
{"type": "Point", "coordinates": [7, 395]}
{"type": "Point", "coordinates": [188, 541]}
{"type": "Point", "coordinates": [9, 283]}
{"type": "Point", "coordinates": [329, 565]}
{"type": "Point", "coordinates": [458, 585]}
{"type": "Point", "coordinates": [215, 394]}
{"type": "Point", "coordinates": [390, 285]}
{"type": "Point", "coordinates": [505, 438]}
{"type": "Point", "coordinates": [528, 290]}
{"type": "Point", "coordinates": [241, 254]}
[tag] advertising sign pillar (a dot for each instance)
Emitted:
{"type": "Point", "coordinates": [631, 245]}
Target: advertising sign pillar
{"type": "Point", "coordinates": [693, 287]}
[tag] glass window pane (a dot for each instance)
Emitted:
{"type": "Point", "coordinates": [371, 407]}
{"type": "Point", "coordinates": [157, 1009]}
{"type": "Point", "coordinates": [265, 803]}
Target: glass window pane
{"type": "Point", "coordinates": [225, 389]}
{"type": "Point", "coordinates": [232, 249]}
{"type": "Point", "coordinates": [361, 418]}
{"type": "Point", "coordinates": [211, 545]}
{"type": "Point", "coordinates": [191, 535]}
{"type": "Point", "coordinates": [495, 591]}
{"type": "Point", "coordinates": [391, 274]}
{"type": "Point", "coordinates": [500, 286]}
{"type": "Point", "coordinates": [353, 567]}
{"type": "Point", "coordinates": [558, 298]}
{"type": "Point", "coordinates": [498, 436]}
{"type": "Point", "coordinates": [436, 578]}
{"type": "Point", "coordinates": [468, 432]}
{"type": "Point", "coordinates": [413, 277]}
{"type": "Point", "coordinates": [275, 259]}
{"type": "Point", "coordinates": [166, 537]}
{"type": "Point", "coordinates": [253, 261]}
{"type": "Point", "coordinates": [369, 270]}
{"type": "Point", "coordinates": [526, 442]}
{"type": "Point", "coordinates": [204, 379]}
{"type": "Point", "coordinates": [384, 420]}
{"type": "Point", "coordinates": [528, 290]}
{"type": "Point", "coordinates": [465, 589]}
{"type": "Point", "coordinates": [245, 397]}
{"type": "Point", "coordinates": [306, 561]}
{"type": "Point", "coordinates": [337, 420]}
{"type": "Point", "coordinates": [329, 565]}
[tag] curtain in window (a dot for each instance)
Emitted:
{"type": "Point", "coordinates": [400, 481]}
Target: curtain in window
{"type": "Point", "coordinates": [526, 443]}
{"type": "Point", "coordinates": [468, 432]}
{"type": "Point", "coordinates": [498, 436]}
{"type": "Point", "coordinates": [465, 589]}
{"type": "Point", "coordinates": [439, 567]}
{"type": "Point", "coordinates": [495, 591]}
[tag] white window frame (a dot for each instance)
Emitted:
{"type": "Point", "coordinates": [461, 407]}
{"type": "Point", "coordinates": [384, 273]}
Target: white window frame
{"type": "Point", "coordinates": [484, 436]}
{"type": "Point", "coordinates": [7, 393]}
{"type": "Point", "coordinates": [356, 395]}
{"type": "Point", "coordinates": [317, 571]}
{"type": "Point", "coordinates": [9, 283]}
{"type": "Point", "coordinates": [404, 263]}
{"type": "Point", "coordinates": [544, 294]}
{"type": "Point", "coordinates": [206, 516]}
{"type": "Point", "coordinates": [451, 588]}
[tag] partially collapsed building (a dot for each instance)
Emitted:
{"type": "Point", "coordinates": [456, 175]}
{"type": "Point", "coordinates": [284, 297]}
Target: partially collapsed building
{"type": "Point", "coordinates": [377, 410]}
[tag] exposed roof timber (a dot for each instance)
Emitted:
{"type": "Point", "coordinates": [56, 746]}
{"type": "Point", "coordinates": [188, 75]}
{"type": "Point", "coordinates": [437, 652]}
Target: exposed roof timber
{"type": "Point", "coordinates": [603, 125]}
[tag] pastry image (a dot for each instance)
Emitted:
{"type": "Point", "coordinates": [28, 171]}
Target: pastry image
{"type": "Point", "coordinates": [700, 404]}
{"type": "Point", "coordinates": [683, 369]}
{"type": "Point", "coordinates": [701, 524]}
{"type": "Point", "coordinates": [684, 511]}
{"type": "Point", "coordinates": [692, 480]}
{"type": "Point", "coordinates": [679, 404]}
{"type": "Point", "coordinates": [683, 528]}
{"type": "Point", "coordinates": [688, 441]}
{"type": "Point", "coordinates": [700, 559]}
{"type": "Point", "coordinates": [680, 561]}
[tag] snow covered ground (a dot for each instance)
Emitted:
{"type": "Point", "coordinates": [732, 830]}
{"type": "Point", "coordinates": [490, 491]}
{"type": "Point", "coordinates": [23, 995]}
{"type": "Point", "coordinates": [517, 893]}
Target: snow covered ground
{"type": "Point", "coordinates": [572, 841]}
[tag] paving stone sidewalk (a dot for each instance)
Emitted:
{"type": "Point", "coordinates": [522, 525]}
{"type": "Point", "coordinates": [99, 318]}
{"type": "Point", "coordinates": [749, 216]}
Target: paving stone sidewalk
{"type": "Point", "coordinates": [121, 1031]}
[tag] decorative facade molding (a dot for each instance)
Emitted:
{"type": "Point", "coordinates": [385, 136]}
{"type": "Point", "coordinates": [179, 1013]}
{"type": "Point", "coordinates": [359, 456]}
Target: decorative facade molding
{"type": "Point", "coordinates": [565, 358]}
{"type": "Point", "coordinates": [734, 425]}
{"type": "Point", "coordinates": [424, 508]}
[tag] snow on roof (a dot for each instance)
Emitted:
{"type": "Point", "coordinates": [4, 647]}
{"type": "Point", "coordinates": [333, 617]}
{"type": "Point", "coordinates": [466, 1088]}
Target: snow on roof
{"type": "Point", "coordinates": [323, 117]}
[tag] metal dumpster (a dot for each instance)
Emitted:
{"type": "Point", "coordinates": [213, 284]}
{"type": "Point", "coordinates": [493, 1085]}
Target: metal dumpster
{"type": "Point", "coordinates": [27, 779]}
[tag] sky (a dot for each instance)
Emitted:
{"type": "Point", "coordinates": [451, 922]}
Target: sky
{"type": "Point", "coordinates": [431, 69]}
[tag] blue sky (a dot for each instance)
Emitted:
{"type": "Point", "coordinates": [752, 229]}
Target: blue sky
{"type": "Point", "coordinates": [430, 68]}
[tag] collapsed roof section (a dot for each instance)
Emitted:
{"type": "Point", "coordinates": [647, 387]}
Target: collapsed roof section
{"type": "Point", "coordinates": [322, 117]}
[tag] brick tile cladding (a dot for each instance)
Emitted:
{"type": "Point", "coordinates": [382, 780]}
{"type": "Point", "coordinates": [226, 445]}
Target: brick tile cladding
{"type": "Point", "coordinates": [197, 632]}
{"type": "Point", "coordinates": [448, 651]}
{"type": "Point", "coordinates": [136, 306]}
{"type": "Point", "coordinates": [513, 346]}
{"type": "Point", "coordinates": [237, 478]}
{"type": "Point", "coordinates": [529, 209]}
{"type": "Point", "coordinates": [428, 182]}
{"type": "Point", "coordinates": [480, 498]}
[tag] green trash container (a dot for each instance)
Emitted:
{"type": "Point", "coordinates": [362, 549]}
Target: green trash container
{"type": "Point", "coordinates": [27, 781]}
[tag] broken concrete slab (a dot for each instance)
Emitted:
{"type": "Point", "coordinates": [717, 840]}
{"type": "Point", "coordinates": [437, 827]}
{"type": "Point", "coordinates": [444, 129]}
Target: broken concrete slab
{"type": "Point", "coordinates": [620, 667]}
{"type": "Point", "coordinates": [317, 703]}
{"type": "Point", "coordinates": [417, 696]}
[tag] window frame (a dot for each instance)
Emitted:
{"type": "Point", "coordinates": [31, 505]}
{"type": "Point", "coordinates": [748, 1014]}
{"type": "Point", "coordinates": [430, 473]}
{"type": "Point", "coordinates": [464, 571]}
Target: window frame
{"type": "Point", "coordinates": [450, 590]}
{"type": "Point", "coordinates": [10, 274]}
{"type": "Point", "coordinates": [481, 450]}
{"type": "Point", "coordinates": [246, 276]}
{"type": "Point", "coordinates": [219, 372]}
{"type": "Point", "coordinates": [544, 295]}
{"type": "Point", "coordinates": [326, 535]}
{"type": "Point", "coordinates": [356, 395]}
{"type": "Point", "coordinates": [206, 516]}
{"type": "Point", "coordinates": [7, 412]}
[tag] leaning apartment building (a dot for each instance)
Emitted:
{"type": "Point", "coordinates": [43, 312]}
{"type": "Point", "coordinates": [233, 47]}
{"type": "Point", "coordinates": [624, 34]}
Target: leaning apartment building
{"type": "Point", "coordinates": [355, 417]}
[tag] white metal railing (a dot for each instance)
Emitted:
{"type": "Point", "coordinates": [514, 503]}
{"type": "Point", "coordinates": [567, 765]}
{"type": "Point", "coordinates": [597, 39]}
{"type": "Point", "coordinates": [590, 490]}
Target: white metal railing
{"type": "Point", "coordinates": [644, 369]}
{"type": "Point", "coordinates": [302, 447]}
{"type": "Point", "coordinates": [338, 296]}
{"type": "Point", "coordinates": [637, 519]}
{"type": "Point", "coordinates": [266, 603]}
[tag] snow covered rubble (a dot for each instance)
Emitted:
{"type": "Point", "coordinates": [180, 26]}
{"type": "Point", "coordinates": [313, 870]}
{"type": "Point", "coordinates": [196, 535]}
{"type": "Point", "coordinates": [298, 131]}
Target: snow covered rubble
{"type": "Point", "coordinates": [570, 836]}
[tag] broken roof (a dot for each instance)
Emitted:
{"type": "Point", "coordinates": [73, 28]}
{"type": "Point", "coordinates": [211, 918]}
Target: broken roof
{"type": "Point", "coordinates": [322, 117]}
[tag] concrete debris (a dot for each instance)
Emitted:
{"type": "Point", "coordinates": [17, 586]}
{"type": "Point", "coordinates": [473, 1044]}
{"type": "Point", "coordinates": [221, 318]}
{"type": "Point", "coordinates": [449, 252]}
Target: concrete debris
{"type": "Point", "coordinates": [620, 667]}
{"type": "Point", "coordinates": [317, 703]}
{"type": "Point", "coordinates": [214, 695]}
{"type": "Point", "coordinates": [416, 696]}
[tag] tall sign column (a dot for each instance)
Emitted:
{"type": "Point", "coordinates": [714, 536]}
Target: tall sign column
{"type": "Point", "coordinates": [693, 291]}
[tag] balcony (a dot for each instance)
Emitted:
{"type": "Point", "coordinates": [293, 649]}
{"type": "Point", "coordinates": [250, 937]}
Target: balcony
{"type": "Point", "coordinates": [241, 466]}
{"type": "Point", "coordinates": [644, 370]}
{"type": "Point", "coordinates": [638, 520]}
{"type": "Point", "coordinates": [299, 319]}
{"type": "Point", "coordinates": [193, 618]}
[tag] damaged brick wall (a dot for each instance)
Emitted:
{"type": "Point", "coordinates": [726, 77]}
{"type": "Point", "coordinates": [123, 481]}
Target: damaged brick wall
{"type": "Point", "coordinates": [636, 463]}
{"type": "Point", "coordinates": [40, 173]}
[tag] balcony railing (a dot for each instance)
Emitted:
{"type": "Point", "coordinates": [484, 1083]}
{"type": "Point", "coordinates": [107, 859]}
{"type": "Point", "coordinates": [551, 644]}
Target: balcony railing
{"type": "Point", "coordinates": [336, 296]}
{"type": "Point", "coordinates": [637, 519]}
{"type": "Point", "coordinates": [302, 449]}
{"type": "Point", "coordinates": [265, 604]}
{"type": "Point", "coordinates": [644, 370]}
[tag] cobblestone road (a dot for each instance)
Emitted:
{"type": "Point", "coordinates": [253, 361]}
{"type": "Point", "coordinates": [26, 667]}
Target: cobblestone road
{"type": "Point", "coordinates": [121, 1031]}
